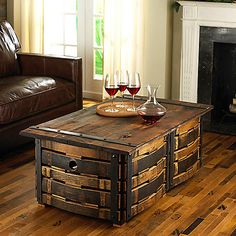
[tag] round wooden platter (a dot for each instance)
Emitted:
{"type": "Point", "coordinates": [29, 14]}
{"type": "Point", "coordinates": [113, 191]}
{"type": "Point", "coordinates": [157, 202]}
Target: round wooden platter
{"type": "Point", "coordinates": [101, 110]}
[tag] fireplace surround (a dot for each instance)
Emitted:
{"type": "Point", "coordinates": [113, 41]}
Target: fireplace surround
{"type": "Point", "coordinates": [217, 76]}
{"type": "Point", "coordinates": [203, 68]}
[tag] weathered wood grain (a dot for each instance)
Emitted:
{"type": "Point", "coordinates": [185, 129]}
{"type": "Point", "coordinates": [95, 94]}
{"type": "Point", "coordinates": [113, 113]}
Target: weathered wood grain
{"type": "Point", "coordinates": [188, 126]}
{"type": "Point", "coordinates": [76, 180]}
{"type": "Point", "coordinates": [76, 165]}
{"type": "Point", "coordinates": [120, 150]}
{"type": "Point", "coordinates": [183, 152]}
{"type": "Point", "coordinates": [143, 162]}
{"type": "Point", "coordinates": [75, 151]}
{"type": "Point", "coordinates": [186, 175]}
{"type": "Point", "coordinates": [200, 197]}
{"type": "Point", "coordinates": [147, 189]}
{"type": "Point", "coordinates": [187, 163]}
{"type": "Point", "coordinates": [149, 174]}
{"type": "Point", "coordinates": [83, 209]}
{"type": "Point", "coordinates": [76, 194]}
{"type": "Point", "coordinates": [209, 195]}
{"type": "Point", "coordinates": [187, 138]}
{"type": "Point", "coordinates": [125, 130]}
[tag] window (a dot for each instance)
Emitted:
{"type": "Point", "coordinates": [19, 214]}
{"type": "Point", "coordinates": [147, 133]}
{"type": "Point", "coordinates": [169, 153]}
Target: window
{"type": "Point", "coordinates": [64, 33]}
{"type": "Point", "coordinates": [98, 35]}
{"type": "Point", "coordinates": [61, 27]}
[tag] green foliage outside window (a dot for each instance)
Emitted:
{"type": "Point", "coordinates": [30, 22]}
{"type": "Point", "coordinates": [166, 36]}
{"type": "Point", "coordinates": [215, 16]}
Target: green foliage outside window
{"type": "Point", "coordinates": [99, 35]}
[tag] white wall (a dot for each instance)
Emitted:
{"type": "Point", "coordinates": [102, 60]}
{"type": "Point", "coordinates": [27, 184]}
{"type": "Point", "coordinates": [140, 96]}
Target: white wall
{"type": "Point", "coordinates": [158, 45]}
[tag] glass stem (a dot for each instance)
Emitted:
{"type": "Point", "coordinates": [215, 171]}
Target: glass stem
{"type": "Point", "coordinates": [112, 102]}
{"type": "Point", "coordinates": [133, 102]}
{"type": "Point", "coordinates": [122, 97]}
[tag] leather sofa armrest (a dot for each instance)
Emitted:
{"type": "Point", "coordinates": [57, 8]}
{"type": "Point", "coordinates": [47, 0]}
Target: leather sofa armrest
{"type": "Point", "coordinates": [69, 68]}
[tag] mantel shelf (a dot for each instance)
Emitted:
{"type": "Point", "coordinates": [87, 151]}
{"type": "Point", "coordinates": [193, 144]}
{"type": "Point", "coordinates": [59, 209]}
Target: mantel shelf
{"type": "Point", "coordinates": [207, 4]}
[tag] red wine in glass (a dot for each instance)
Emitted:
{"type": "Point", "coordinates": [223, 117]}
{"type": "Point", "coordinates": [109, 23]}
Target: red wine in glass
{"type": "Point", "coordinates": [123, 78]}
{"type": "Point", "coordinates": [111, 87]}
{"type": "Point", "coordinates": [112, 90]}
{"type": "Point", "coordinates": [133, 89]}
{"type": "Point", "coordinates": [122, 87]}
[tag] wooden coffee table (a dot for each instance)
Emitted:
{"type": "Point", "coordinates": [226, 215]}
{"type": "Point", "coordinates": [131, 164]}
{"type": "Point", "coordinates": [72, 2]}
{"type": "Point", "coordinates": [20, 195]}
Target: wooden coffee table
{"type": "Point", "coordinates": [114, 168]}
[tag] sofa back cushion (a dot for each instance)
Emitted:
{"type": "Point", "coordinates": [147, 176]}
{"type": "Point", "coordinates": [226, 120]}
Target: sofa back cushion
{"type": "Point", "coordinates": [8, 58]}
{"type": "Point", "coordinates": [7, 28]}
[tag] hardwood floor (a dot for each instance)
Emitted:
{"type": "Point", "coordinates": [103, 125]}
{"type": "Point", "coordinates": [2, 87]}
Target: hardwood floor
{"type": "Point", "coordinates": [204, 205]}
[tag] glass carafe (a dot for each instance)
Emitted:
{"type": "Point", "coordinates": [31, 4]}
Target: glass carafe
{"type": "Point", "coordinates": [151, 111]}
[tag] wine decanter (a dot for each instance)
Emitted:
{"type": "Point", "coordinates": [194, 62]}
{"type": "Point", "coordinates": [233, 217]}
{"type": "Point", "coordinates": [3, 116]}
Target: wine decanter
{"type": "Point", "coordinates": [151, 111]}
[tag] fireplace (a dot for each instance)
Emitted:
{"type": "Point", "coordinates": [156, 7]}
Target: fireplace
{"type": "Point", "coordinates": [217, 76]}
{"type": "Point", "coordinates": [204, 60]}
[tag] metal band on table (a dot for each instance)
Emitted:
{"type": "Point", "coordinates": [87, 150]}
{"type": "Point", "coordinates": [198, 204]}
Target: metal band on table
{"type": "Point", "coordinates": [81, 135]}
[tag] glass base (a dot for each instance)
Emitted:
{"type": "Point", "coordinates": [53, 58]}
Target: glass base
{"type": "Point", "coordinates": [122, 105]}
{"type": "Point", "coordinates": [111, 110]}
{"type": "Point", "coordinates": [131, 109]}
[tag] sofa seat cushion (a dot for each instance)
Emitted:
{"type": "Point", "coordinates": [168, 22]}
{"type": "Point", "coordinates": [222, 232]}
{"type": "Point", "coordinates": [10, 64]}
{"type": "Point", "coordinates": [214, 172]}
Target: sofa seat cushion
{"type": "Point", "coordinates": [23, 96]}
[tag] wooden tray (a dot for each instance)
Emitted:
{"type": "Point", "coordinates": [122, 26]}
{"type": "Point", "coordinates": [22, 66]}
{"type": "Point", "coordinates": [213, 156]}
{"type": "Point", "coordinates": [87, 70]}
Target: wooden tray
{"type": "Point", "coordinates": [121, 113]}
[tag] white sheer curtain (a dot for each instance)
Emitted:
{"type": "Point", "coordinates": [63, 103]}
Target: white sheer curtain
{"type": "Point", "coordinates": [123, 36]}
{"type": "Point", "coordinates": [30, 16]}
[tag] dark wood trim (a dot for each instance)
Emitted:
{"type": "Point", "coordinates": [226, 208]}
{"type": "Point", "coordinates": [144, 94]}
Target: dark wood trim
{"type": "Point", "coordinates": [129, 187]}
{"type": "Point", "coordinates": [38, 168]}
{"type": "Point", "coordinates": [114, 187]}
{"type": "Point", "coordinates": [201, 141]}
{"type": "Point", "coordinates": [170, 159]}
{"type": "Point", "coordinates": [123, 161]}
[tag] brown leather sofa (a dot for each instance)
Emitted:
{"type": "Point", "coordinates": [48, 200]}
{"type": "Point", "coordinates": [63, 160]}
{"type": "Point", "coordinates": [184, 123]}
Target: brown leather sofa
{"type": "Point", "coordinates": [33, 88]}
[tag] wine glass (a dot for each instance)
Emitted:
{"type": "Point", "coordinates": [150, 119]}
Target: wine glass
{"type": "Point", "coordinates": [111, 87]}
{"type": "Point", "coordinates": [133, 87]}
{"type": "Point", "coordinates": [123, 78]}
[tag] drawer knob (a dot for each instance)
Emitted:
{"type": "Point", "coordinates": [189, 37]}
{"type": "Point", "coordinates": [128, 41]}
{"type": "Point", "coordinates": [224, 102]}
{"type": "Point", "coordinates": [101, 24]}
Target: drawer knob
{"type": "Point", "coordinates": [73, 165]}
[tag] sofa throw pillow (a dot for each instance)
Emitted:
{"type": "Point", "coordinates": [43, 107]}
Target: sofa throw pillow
{"type": "Point", "coordinates": [8, 58]}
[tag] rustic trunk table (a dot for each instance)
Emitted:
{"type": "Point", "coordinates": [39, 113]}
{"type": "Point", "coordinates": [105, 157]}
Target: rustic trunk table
{"type": "Point", "coordinates": [114, 168]}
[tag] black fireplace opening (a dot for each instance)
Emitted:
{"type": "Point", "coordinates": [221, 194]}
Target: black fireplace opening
{"type": "Point", "coordinates": [217, 77]}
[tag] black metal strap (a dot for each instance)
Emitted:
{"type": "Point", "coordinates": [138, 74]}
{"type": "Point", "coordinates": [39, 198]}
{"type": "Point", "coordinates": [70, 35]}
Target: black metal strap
{"type": "Point", "coordinates": [170, 160]}
{"type": "Point", "coordinates": [81, 135]}
{"type": "Point", "coordinates": [201, 139]}
{"type": "Point", "coordinates": [114, 188]}
{"type": "Point", "coordinates": [38, 170]}
{"type": "Point", "coordinates": [129, 187]}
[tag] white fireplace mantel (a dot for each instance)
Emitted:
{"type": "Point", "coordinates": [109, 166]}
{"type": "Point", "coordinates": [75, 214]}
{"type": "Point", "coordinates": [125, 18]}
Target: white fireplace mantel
{"type": "Point", "coordinates": [187, 22]}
